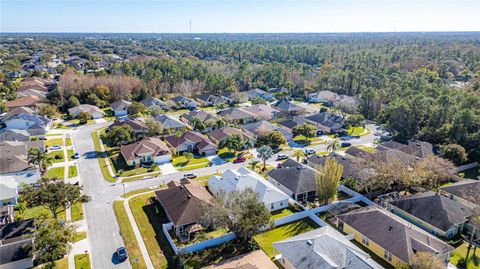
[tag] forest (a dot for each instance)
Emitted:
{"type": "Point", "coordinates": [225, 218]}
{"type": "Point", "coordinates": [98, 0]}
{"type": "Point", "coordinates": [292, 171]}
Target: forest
{"type": "Point", "coordinates": [421, 85]}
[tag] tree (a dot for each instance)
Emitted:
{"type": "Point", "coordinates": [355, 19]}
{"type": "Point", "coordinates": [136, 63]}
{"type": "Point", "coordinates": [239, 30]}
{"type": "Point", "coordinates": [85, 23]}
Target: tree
{"type": "Point", "coordinates": [355, 120]}
{"type": "Point", "coordinates": [220, 124]}
{"type": "Point", "coordinates": [374, 174]}
{"type": "Point", "coordinates": [265, 153]}
{"type": "Point", "coordinates": [118, 135]}
{"type": "Point", "coordinates": [198, 124]}
{"type": "Point", "coordinates": [426, 260]}
{"type": "Point", "coordinates": [344, 108]}
{"type": "Point", "coordinates": [154, 127]}
{"type": "Point", "coordinates": [188, 155]}
{"type": "Point", "coordinates": [83, 117]}
{"type": "Point", "coordinates": [135, 108]}
{"type": "Point", "coordinates": [72, 101]}
{"type": "Point", "coordinates": [454, 153]}
{"type": "Point", "coordinates": [308, 130]}
{"type": "Point", "coordinates": [253, 163]}
{"type": "Point", "coordinates": [52, 240]}
{"type": "Point", "coordinates": [240, 211]}
{"type": "Point", "coordinates": [257, 100]}
{"type": "Point", "coordinates": [232, 142]}
{"type": "Point", "coordinates": [273, 139]}
{"type": "Point", "coordinates": [435, 170]}
{"type": "Point", "coordinates": [37, 156]}
{"type": "Point", "coordinates": [333, 146]}
{"type": "Point", "coordinates": [328, 179]}
{"type": "Point", "coordinates": [48, 110]}
{"type": "Point", "coordinates": [54, 194]}
{"type": "Point", "coordinates": [299, 154]}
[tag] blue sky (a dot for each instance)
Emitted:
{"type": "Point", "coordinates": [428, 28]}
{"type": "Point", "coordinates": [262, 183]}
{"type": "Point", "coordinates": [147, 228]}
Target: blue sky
{"type": "Point", "coordinates": [209, 16]}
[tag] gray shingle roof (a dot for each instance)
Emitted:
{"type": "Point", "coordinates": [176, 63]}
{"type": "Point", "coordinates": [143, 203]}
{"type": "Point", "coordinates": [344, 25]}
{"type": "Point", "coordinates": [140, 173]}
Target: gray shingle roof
{"type": "Point", "coordinates": [298, 179]}
{"type": "Point", "coordinates": [465, 189]}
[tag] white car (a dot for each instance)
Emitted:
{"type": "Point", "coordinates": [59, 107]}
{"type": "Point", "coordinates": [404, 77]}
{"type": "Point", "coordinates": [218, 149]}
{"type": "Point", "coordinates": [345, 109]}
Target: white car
{"type": "Point", "coordinates": [282, 156]}
{"type": "Point", "coordinates": [309, 151]}
{"type": "Point", "coordinates": [55, 147]}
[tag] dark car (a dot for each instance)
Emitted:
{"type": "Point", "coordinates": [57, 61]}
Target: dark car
{"type": "Point", "coordinates": [342, 133]}
{"type": "Point", "coordinates": [122, 253]}
{"type": "Point", "coordinates": [239, 160]}
{"type": "Point", "coordinates": [345, 144]}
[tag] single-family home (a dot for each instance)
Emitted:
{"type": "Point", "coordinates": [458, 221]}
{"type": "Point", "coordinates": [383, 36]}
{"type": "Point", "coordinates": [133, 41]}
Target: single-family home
{"type": "Point", "coordinates": [243, 178]}
{"type": "Point", "coordinates": [466, 192]}
{"type": "Point", "coordinates": [234, 97]}
{"type": "Point", "coordinates": [16, 111]}
{"type": "Point", "coordinates": [207, 118]}
{"type": "Point", "coordinates": [390, 237]}
{"type": "Point", "coordinates": [170, 123]}
{"type": "Point", "coordinates": [259, 93]}
{"type": "Point", "coordinates": [8, 191]}
{"type": "Point", "coordinates": [14, 135]}
{"type": "Point", "coordinates": [263, 128]}
{"type": "Point", "coordinates": [237, 115]}
{"type": "Point", "coordinates": [432, 212]}
{"type": "Point", "coordinates": [296, 180]}
{"type": "Point", "coordinates": [19, 169]}
{"type": "Point", "coordinates": [92, 110]}
{"type": "Point", "coordinates": [262, 111]}
{"type": "Point", "coordinates": [322, 248]}
{"type": "Point", "coordinates": [315, 160]}
{"type": "Point", "coordinates": [326, 97]}
{"type": "Point", "coordinates": [139, 128]}
{"type": "Point", "coordinates": [326, 121]}
{"type": "Point", "coordinates": [7, 214]}
{"type": "Point", "coordinates": [31, 92]}
{"type": "Point", "coordinates": [184, 204]}
{"type": "Point", "coordinates": [146, 151]}
{"type": "Point", "coordinates": [208, 99]}
{"type": "Point", "coordinates": [222, 133]}
{"type": "Point", "coordinates": [153, 102]}
{"type": "Point", "coordinates": [15, 240]}
{"type": "Point", "coordinates": [347, 100]}
{"type": "Point", "coordinates": [28, 101]}
{"type": "Point", "coordinates": [120, 107]}
{"type": "Point", "coordinates": [418, 149]}
{"type": "Point", "coordinates": [182, 102]}
{"type": "Point", "coordinates": [35, 125]}
{"type": "Point", "coordinates": [254, 260]}
{"type": "Point", "coordinates": [289, 107]}
{"type": "Point", "coordinates": [194, 142]}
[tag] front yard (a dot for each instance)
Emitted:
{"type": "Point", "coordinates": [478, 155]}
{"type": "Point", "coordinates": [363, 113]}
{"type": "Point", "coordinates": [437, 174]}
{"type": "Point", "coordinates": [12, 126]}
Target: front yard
{"type": "Point", "coordinates": [308, 141]}
{"type": "Point", "coordinates": [53, 141]}
{"type": "Point", "coordinates": [58, 172]}
{"type": "Point", "coordinates": [266, 239]}
{"type": "Point", "coordinates": [181, 163]}
{"type": "Point", "coordinates": [360, 131]}
{"type": "Point", "coordinates": [57, 156]}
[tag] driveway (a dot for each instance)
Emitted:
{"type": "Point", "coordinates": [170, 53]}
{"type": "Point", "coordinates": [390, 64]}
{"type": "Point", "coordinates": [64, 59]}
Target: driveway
{"type": "Point", "coordinates": [167, 169]}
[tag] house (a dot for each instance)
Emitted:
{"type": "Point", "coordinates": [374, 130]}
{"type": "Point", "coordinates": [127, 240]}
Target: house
{"type": "Point", "coordinates": [262, 112]}
{"type": "Point", "coordinates": [7, 214]}
{"type": "Point", "coordinates": [418, 149]}
{"type": "Point", "coordinates": [259, 93]}
{"type": "Point", "coordinates": [432, 212]}
{"type": "Point", "coordinates": [346, 100]}
{"type": "Point", "coordinates": [391, 238]}
{"type": "Point", "coordinates": [296, 180]}
{"type": "Point", "coordinates": [208, 99]}
{"type": "Point", "coordinates": [15, 240]}
{"type": "Point", "coordinates": [192, 142]}
{"type": "Point", "coordinates": [288, 107]}
{"type": "Point", "coordinates": [28, 101]}
{"type": "Point", "coordinates": [315, 160]}
{"type": "Point", "coordinates": [147, 151]}
{"type": "Point", "coordinates": [326, 121]}
{"type": "Point", "coordinates": [183, 204]}
{"type": "Point", "coordinates": [31, 92]}
{"type": "Point", "coordinates": [263, 128]}
{"type": "Point", "coordinates": [92, 110]}
{"type": "Point", "coordinates": [243, 178]}
{"type": "Point", "coordinates": [182, 102]}
{"type": "Point", "coordinates": [355, 152]}
{"type": "Point", "coordinates": [322, 248]}
{"type": "Point", "coordinates": [254, 260]}
{"type": "Point", "coordinates": [153, 102]}
{"type": "Point", "coordinates": [14, 135]}
{"type": "Point", "coordinates": [222, 133]}
{"type": "Point", "coordinates": [207, 118]}
{"type": "Point", "coordinates": [120, 107]}
{"type": "Point", "coordinates": [16, 111]}
{"type": "Point", "coordinates": [326, 97]}
{"type": "Point", "coordinates": [466, 192]}
{"type": "Point", "coordinates": [234, 97]}
{"type": "Point", "coordinates": [279, 91]}
{"type": "Point", "coordinates": [8, 191]}
{"type": "Point", "coordinates": [238, 115]}
{"type": "Point", "coordinates": [35, 125]}
{"type": "Point", "coordinates": [170, 123]}
{"type": "Point", "coordinates": [139, 128]}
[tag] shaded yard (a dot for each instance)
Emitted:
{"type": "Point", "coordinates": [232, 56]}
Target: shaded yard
{"type": "Point", "coordinates": [35, 212]}
{"type": "Point", "coordinates": [472, 172]}
{"type": "Point", "coordinates": [461, 252]}
{"type": "Point", "coordinates": [284, 212]}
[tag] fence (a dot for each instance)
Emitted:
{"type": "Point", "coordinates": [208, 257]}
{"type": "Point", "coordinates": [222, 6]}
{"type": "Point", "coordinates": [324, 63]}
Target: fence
{"type": "Point", "coordinates": [466, 167]}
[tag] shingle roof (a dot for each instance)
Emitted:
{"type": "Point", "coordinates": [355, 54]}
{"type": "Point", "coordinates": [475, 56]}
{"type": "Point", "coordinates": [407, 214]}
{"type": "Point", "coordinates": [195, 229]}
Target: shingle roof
{"type": "Point", "coordinates": [17, 111]}
{"type": "Point", "coordinates": [152, 101]}
{"type": "Point", "coordinates": [134, 123]}
{"type": "Point", "coordinates": [90, 109]}
{"type": "Point", "coordinates": [14, 135]}
{"type": "Point", "coordinates": [288, 106]}
{"type": "Point", "coordinates": [23, 101]}
{"type": "Point", "coordinates": [14, 237]}
{"type": "Point", "coordinates": [392, 233]}
{"type": "Point", "coordinates": [169, 122]}
{"type": "Point", "coordinates": [435, 209]}
{"type": "Point", "coordinates": [150, 145]}
{"type": "Point", "coordinates": [14, 164]}
{"type": "Point", "coordinates": [297, 178]}
{"type": "Point", "coordinates": [201, 114]}
{"type": "Point", "coordinates": [191, 136]}
{"type": "Point", "coordinates": [348, 169]}
{"type": "Point", "coordinates": [466, 189]}
{"type": "Point", "coordinates": [183, 204]}
{"type": "Point", "coordinates": [120, 105]}
{"type": "Point", "coordinates": [262, 111]}
{"type": "Point", "coordinates": [357, 152]}
{"type": "Point", "coordinates": [12, 148]}
{"type": "Point", "coordinates": [236, 113]}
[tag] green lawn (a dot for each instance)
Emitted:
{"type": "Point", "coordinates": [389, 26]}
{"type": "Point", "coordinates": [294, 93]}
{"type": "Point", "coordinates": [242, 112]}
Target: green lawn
{"type": "Point", "coordinates": [72, 171]}
{"type": "Point", "coordinates": [128, 236]}
{"type": "Point", "coordinates": [52, 155]}
{"type": "Point", "coordinates": [461, 252]}
{"type": "Point", "coordinates": [79, 236]}
{"type": "Point", "coordinates": [53, 141]}
{"type": "Point", "coordinates": [101, 161]}
{"type": "Point", "coordinates": [82, 261]}
{"type": "Point", "coordinates": [35, 212]}
{"type": "Point", "coordinates": [70, 153]}
{"type": "Point", "coordinates": [58, 172]}
{"type": "Point", "coordinates": [128, 194]}
{"type": "Point", "coordinates": [284, 212]}
{"type": "Point", "coordinates": [357, 131]}
{"type": "Point", "coordinates": [75, 121]}
{"type": "Point", "coordinates": [150, 216]}
{"type": "Point", "coordinates": [181, 161]}
{"type": "Point", "coordinates": [62, 264]}
{"type": "Point", "coordinates": [266, 239]}
{"type": "Point", "coordinates": [68, 141]}
{"type": "Point", "coordinates": [77, 211]}
{"type": "Point", "coordinates": [53, 134]}
{"type": "Point", "coordinates": [367, 149]}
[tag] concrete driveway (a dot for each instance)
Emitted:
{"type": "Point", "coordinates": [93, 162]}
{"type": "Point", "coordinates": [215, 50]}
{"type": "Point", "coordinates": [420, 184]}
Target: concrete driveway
{"type": "Point", "coordinates": [167, 169]}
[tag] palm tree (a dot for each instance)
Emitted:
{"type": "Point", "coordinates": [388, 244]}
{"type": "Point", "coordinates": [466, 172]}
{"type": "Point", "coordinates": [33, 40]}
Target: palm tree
{"type": "Point", "coordinates": [264, 153]}
{"type": "Point", "coordinates": [37, 156]}
{"type": "Point", "coordinates": [253, 163]}
{"type": "Point", "coordinates": [198, 125]}
{"type": "Point", "coordinates": [299, 154]}
{"type": "Point", "coordinates": [333, 146]}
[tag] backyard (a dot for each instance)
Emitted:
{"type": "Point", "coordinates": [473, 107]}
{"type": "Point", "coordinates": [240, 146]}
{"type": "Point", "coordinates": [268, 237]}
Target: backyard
{"type": "Point", "coordinates": [284, 212]}
{"type": "Point", "coordinates": [266, 239]}
{"type": "Point", "coordinates": [472, 173]}
{"type": "Point", "coordinates": [460, 252]}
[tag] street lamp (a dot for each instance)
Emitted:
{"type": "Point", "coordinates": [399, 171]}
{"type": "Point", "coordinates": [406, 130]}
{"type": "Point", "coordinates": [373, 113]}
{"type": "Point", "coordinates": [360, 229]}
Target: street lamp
{"type": "Point", "coordinates": [124, 186]}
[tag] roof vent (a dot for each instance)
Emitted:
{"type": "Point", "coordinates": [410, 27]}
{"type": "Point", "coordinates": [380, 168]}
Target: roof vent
{"type": "Point", "coordinates": [390, 228]}
{"type": "Point", "coordinates": [310, 243]}
{"type": "Point", "coordinates": [189, 196]}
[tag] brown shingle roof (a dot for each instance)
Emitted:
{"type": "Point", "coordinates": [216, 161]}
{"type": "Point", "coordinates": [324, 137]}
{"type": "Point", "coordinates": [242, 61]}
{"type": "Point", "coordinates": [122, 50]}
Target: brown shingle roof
{"type": "Point", "coordinates": [152, 145]}
{"type": "Point", "coordinates": [23, 101]}
{"type": "Point", "coordinates": [183, 204]}
{"type": "Point", "coordinates": [12, 148]}
{"type": "Point", "coordinates": [191, 136]}
{"type": "Point", "coordinates": [466, 189]}
{"type": "Point", "coordinates": [135, 124]}
{"type": "Point", "coordinates": [14, 164]}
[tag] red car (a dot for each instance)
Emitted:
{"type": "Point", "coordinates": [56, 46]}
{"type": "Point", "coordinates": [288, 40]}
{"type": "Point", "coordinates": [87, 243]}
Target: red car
{"type": "Point", "coordinates": [239, 160]}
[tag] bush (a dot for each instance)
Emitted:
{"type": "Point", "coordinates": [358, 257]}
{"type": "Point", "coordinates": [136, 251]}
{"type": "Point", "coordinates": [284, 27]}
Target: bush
{"type": "Point", "coordinates": [462, 263]}
{"type": "Point", "coordinates": [58, 157]}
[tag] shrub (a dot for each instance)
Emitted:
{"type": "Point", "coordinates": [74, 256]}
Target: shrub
{"type": "Point", "coordinates": [58, 157]}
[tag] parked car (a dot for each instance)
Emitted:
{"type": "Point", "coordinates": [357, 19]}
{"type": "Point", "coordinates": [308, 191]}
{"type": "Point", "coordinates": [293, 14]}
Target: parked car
{"type": "Point", "coordinates": [320, 133]}
{"type": "Point", "coordinates": [122, 253]}
{"type": "Point", "coordinates": [345, 144]}
{"type": "Point", "coordinates": [239, 160]}
{"type": "Point", "coordinates": [309, 151]}
{"type": "Point", "coordinates": [55, 147]}
{"type": "Point", "coordinates": [346, 137]}
{"type": "Point", "coordinates": [76, 155]}
{"type": "Point", "coordinates": [190, 175]}
{"type": "Point", "coordinates": [342, 133]}
{"type": "Point", "coordinates": [282, 157]}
